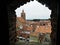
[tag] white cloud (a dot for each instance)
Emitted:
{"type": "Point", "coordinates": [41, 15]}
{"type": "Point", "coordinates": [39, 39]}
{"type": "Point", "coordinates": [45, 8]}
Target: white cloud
{"type": "Point", "coordinates": [34, 10]}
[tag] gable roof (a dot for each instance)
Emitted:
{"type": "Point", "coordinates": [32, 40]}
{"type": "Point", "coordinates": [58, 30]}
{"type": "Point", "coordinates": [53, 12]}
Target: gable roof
{"type": "Point", "coordinates": [20, 19]}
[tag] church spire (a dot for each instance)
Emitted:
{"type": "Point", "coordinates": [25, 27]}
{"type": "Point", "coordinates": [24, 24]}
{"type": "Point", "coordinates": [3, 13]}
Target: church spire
{"type": "Point", "coordinates": [22, 11]}
{"type": "Point", "coordinates": [23, 14]}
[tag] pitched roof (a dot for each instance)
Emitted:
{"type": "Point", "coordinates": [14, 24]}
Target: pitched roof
{"type": "Point", "coordinates": [21, 19]}
{"type": "Point", "coordinates": [30, 28]}
{"type": "Point", "coordinates": [43, 29]}
{"type": "Point", "coordinates": [27, 28]}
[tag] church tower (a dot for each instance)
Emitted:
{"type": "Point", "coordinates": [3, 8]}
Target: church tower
{"type": "Point", "coordinates": [23, 14]}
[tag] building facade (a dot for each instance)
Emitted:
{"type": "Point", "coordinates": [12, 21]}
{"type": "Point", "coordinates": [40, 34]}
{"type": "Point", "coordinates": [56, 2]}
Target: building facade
{"type": "Point", "coordinates": [35, 26]}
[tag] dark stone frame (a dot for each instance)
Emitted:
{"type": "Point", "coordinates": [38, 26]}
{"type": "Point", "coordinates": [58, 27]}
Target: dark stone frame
{"type": "Point", "coordinates": [51, 4]}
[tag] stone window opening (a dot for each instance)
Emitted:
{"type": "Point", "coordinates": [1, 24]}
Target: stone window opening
{"type": "Point", "coordinates": [42, 24]}
{"type": "Point", "coordinates": [53, 43]}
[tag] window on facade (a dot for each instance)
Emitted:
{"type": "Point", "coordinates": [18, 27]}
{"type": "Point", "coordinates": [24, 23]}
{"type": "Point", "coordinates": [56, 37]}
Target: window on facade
{"type": "Point", "coordinates": [43, 24]}
{"type": "Point", "coordinates": [20, 35]}
{"type": "Point", "coordinates": [33, 30]}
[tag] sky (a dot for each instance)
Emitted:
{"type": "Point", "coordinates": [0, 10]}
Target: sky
{"type": "Point", "coordinates": [34, 10]}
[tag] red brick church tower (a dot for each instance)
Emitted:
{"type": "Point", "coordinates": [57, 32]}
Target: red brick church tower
{"type": "Point", "coordinates": [23, 14]}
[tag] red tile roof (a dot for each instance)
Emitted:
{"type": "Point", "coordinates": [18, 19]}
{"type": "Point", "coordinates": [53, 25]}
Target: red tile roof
{"type": "Point", "coordinates": [21, 19]}
{"type": "Point", "coordinates": [42, 29]}
{"type": "Point", "coordinates": [27, 28]}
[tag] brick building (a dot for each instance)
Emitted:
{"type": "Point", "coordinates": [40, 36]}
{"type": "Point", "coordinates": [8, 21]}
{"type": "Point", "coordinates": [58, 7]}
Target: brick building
{"type": "Point", "coordinates": [42, 26]}
{"type": "Point", "coordinates": [35, 26]}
